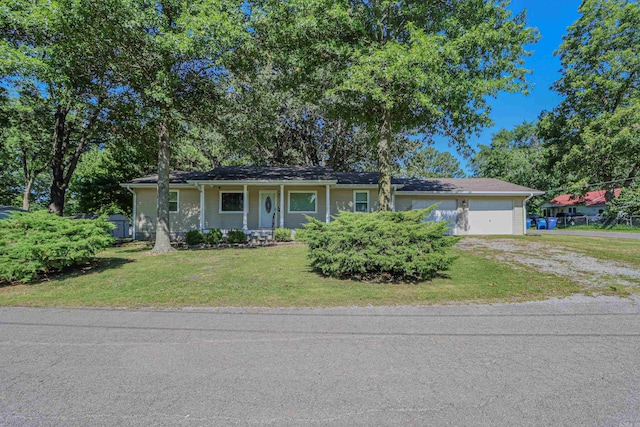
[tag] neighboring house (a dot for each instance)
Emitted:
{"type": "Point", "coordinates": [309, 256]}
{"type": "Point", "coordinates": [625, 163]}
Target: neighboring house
{"type": "Point", "coordinates": [591, 204]}
{"type": "Point", "coordinates": [258, 198]}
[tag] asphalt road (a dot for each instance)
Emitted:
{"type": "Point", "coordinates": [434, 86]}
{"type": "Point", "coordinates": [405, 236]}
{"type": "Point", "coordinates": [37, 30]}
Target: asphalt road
{"type": "Point", "coordinates": [570, 362]}
{"type": "Point", "coordinates": [586, 233]}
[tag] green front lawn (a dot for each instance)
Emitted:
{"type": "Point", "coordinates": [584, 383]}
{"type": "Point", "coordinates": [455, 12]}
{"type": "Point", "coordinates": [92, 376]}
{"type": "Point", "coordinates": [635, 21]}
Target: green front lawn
{"type": "Point", "coordinates": [276, 276]}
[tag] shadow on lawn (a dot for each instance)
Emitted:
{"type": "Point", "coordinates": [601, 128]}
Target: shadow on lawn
{"type": "Point", "coordinates": [94, 266]}
{"type": "Point", "coordinates": [97, 265]}
{"type": "Point", "coordinates": [379, 279]}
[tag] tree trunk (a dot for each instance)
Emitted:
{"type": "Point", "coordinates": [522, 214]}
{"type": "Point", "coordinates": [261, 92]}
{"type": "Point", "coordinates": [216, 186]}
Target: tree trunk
{"type": "Point", "coordinates": [384, 164]}
{"type": "Point", "coordinates": [56, 204]}
{"type": "Point", "coordinates": [163, 236]}
{"type": "Point", "coordinates": [26, 195]}
{"type": "Point", "coordinates": [609, 195]}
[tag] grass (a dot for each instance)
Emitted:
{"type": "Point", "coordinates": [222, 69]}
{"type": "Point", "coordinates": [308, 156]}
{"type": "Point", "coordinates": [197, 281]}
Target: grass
{"type": "Point", "coordinates": [276, 276]}
{"type": "Point", "coordinates": [608, 249]}
{"type": "Point", "coordinates": [600, 227]}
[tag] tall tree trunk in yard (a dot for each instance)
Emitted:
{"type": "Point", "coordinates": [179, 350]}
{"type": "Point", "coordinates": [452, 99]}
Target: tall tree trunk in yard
{"type": "Point", "coordinates": [384, 164]}
{"type": "Point", "coordinates": [163, 236]}
{"type": "Point", "coordinates": [62, 164]}
{"type": "Point", "coordinates": [26, 195]}
{"type": "Point", "coordinates": [56, 204]}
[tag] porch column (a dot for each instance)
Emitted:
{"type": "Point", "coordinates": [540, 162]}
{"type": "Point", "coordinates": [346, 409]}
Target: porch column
{"type": "Point", "coordinates": [393, 199]}
{"type": "Point", "coordinates": [201, 207]}
{"type": "Point", "coordinates": [328, 209]}
{"type": "Point", "coordinates": [245, 208]}
{"type": "Point", "coordinates": [281, 205]}
{"type": "Point", "coordinates": [135, 213]}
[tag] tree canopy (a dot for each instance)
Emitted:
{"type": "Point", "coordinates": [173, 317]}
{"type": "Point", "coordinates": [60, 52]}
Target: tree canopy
{"type": "Point", "coordinates": [594, 134]}
{"type": "Point", "coordinates": [518, 156]}
{"type": "Point", "coordinates": [401, 68]}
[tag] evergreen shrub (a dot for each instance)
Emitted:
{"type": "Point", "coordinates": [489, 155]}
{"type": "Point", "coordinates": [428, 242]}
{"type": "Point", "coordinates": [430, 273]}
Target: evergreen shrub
{"type": "Point", "coordinates": [236, 236]}
{"type": "Point", "coordinates": [194, 237]}
{"type": "Point", "coordinates": [383, 246]}
{"type": "Point", "coordinates": [39, 242]}
{"type": "Point", "coordinates": [282, 235]}
{"type": "Point", "coordinates": [213, 237]}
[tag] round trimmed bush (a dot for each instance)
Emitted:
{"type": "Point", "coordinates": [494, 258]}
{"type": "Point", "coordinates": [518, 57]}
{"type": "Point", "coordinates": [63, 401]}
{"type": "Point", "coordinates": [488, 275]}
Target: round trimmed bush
{"type": "Point", "coordinates": [213, 237]}
{"type": "Point", "coordinates": [194, 237]}
{"type": "Point", "coordinates": [385, 246]}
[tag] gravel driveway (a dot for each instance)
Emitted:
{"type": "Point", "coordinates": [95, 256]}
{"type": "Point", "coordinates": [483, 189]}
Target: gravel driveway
{"type": "Point", "coordinates": [548, 258]}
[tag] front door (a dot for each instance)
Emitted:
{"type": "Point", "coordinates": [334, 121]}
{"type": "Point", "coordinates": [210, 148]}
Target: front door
{"type": "Point", "coordinates": [268, 209]}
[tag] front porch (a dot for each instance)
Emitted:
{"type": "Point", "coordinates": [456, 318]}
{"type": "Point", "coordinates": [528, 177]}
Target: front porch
{"type": "Point", "coordinates": [261, 207]}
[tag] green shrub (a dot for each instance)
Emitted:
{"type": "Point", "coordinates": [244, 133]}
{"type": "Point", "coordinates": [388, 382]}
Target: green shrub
{"type": "Point", "coordinates": [33, 243]}
{"type": "Point", "coordinates": [282, 235]}
{"type": "Point", "coordinates": [194, 237]}
{"type": "Point", "coordinates": [385, 246]}
{"type": "Point", "coordinates": [213, 237]}
{"type": "Point", "coordinates": [236, 236]}
{"type": "Point", "coordinates": [299, 234]}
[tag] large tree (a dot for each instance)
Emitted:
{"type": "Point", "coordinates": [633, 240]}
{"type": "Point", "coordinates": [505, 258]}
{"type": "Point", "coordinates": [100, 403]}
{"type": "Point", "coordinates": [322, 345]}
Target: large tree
{"type": "Point", "coordinates": [594, 134]}
{"type": "Point", "coordinates": [65, 48]}
{"type": "Point", "coordinates": [427, 162]}
{"type": "Point", "coordinates": [27, 136]}
{"type": "Point", "coordinates": [401, 67]}
{"type": "Point", "coordinates": [172, 56]}
{"type": "Point", "coordinates": [518, 156]}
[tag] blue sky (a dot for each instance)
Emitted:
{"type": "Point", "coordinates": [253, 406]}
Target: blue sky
{"type": "Point", "coordinates": [551, 17]}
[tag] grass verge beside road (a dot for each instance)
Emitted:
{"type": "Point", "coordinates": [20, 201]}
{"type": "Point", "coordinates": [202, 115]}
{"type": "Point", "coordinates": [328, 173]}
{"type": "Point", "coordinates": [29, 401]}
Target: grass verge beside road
{"type": "Point", "coordinates": [276, 276]}
{"type": "Point", "coordinates": [597, 227]}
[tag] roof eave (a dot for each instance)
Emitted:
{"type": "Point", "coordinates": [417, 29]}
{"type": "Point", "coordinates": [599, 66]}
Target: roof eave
{"type": "Point", "coordinates": [263, 182]}
{"type": "Point", "coordinates": [470, 193]}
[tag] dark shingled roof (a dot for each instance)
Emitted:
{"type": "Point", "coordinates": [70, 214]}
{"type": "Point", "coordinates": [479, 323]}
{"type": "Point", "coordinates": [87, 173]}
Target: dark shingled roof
{"type": "Point", "coordinates": [304, 173]}
{"type": "Point", "coordinates": [247, 173]}
{"type": "Point", "coordinates": [461, 185]}
{"type": "Point", "coordinates": [271, 173]}
{"type": "Point", "coordinates": [175, 177]}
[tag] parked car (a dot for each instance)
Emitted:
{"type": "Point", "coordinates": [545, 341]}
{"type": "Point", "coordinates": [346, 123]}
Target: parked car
{"type": "Point", "coordinates": [5, 211]}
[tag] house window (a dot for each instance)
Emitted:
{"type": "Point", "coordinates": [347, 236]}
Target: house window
{"type": "Point", "coordinates": [173, 200]}
{"type": "Point", "coordinates": [231, 202]}
{"type": "Point", "coordinates": [361, 201]}
{"type": "Point", "coordinates": [303, 201]}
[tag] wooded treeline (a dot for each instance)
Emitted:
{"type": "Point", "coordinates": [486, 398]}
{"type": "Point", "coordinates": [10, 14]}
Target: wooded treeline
{"type": "Point", "coordinates": [94, 93]}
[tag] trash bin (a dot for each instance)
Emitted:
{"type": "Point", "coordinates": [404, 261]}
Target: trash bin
{"type": "Point", "coordinates": [551, 223]}
{"type": "Point", "coordinates": [528, 223]}
{"type": "Point", "coordinates": [542, 224]}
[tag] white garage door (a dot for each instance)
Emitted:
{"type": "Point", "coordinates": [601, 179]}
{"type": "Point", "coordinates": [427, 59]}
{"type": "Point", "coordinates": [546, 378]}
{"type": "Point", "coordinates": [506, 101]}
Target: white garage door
{"type": "Point", "coordinates": [491, 216]}
{"type": "Point", "coordinates": [447, 210]}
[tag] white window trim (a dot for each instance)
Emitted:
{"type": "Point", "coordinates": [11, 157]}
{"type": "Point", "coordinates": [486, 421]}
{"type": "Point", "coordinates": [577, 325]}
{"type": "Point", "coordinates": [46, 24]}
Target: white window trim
{"type": "Point", "coordinates": [304, 192]}
{"type": "Point", "coordinates": [177, 201]}
{"type": "Point", "coordinates": [220, 211]}
{"type": "Point", "coordinates": [355, 201]}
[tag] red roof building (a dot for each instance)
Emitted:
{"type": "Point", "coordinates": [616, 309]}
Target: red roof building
{"type": "Point", "coordinates": [591, 203]}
